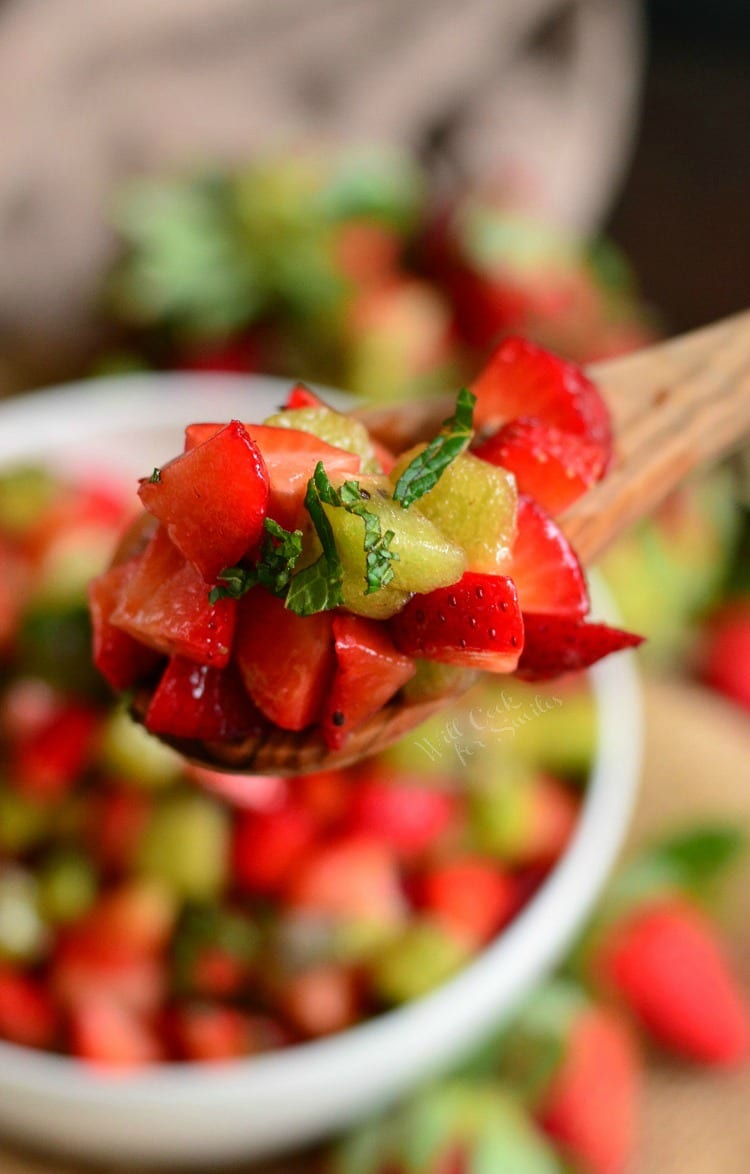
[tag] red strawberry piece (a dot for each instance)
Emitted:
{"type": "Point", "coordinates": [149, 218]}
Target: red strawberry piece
{"type": "Point", "coordinates": [116, 821]}
{"type": "Point", "coordinates": [326, 795]}
{"type": "Point", "coordinates": [290, 456]}
{"type": "Point", "coordinates": [104, 1032]}
{"type": "Point", "coordinates": [119, 658]}
{"type": "Point", "coordinates": [523, 379]}
{"type": "Point", "coordinates": [87, 962]}
{"type": "Point", "coordinates": [352, 877]}
{"type": "Point", "coordinates": [321, 1001]}
{"type": "Point", "coordinates": [138, 917]}
{"type": "Point", "coordinates": [196, 701]}
{"type": "Point", "coordinates": [666, 963]}
{"type": "Point", "coordinates": [27, 1012]}
{"type": "Point", "coordinates": [212, 500]}
{"type": "Point", "coordinates": [590, 1107]}
{"type": "Point", "coordinates": [564, 644]}
{"type": "Point", "coordinates": [164, 604]}
{"type": "Point", "coordinates": [50, 760]}
{"type": "Point", "coordinates": [302, 397]}
{"type": "Point", "coordinates": [471, 897]}
{"type": "Point", "coordinates": [544, 566]}
{"type": "Point", "coordinates": [13, 588]}
{"type": "Point", "coordinates": [411, 814]}
{"type": "Point", "coordinates": [369, 671]}
{"type": "Point", "coordinates": [366, 251]}
{"type": "Point", "coordinates": [553, 467]}
{"type": "Point", "coordinates": [209, 1032]}
{"type": "Point", "coordinates": [268, 845]}
{"type": "Point", "coordinates": [726, 658]}
{"type": "Point", "coordinates": [218, 973]}
{"type": "Point", "coordinates": [476, 622]}
{"type": "Point", "coordinates": [234, 357]}
{"type": "Point", "coordinates": [286, 661]}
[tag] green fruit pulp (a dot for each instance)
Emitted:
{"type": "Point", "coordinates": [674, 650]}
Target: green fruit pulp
{"type": "Point", "coordinates": [474, 504]}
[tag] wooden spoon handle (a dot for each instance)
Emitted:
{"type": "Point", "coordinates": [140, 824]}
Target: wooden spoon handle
{"type": "Point", "coordinates": [675, 406]}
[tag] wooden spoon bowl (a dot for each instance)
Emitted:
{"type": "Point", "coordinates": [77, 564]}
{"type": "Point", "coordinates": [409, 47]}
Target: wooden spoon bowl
{"type": "Point", "coordinates": [675, 406]}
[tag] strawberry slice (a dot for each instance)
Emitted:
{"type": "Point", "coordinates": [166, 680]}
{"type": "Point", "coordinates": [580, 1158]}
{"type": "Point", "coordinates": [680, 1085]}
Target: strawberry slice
{"type": "Point", "coordinates": [49, 761]}
{"type": "Point", "coordinates": [564, 644]}
{"type": "Point", "coordinates": [555, 467]}
{"type": "Point", "coordinates": [196, 701]}
{"type": "Point", "coordinates": [119, 658]}
{"type": "Point", "coordinates": [544, 566]}
{"type": "Point", "coordinates": [290, 456]}
{"type": "Point", "coordinates": [213, 500]}
{"type": "Point", "coordinates": [207, 1032]}
{"type": "Point", "coordinates": [522, 379]}
{"type": "Point", "coordinates": [411, 813]}
{"type": "Point", "coordinates": [164, 604]}
{"type": "Point", "coordinates": [476, 622]}
{"type": "Point", "coordinates": [268, 845]}
{"type": "Point", "coordinates": [469, 896]}
{"type": "Point", "coordinates": [369, 670]}
{"type": "Point", "coordinates": [286, 660]}
{"type": "Point", "coordinates": [302, 397]}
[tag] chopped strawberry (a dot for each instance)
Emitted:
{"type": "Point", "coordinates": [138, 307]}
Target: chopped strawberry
{"type": "Point", "coordinates": [164, 604]}
{"type": "Point", "coordinates": [195, 701]}
{"type": "Point", "coordinates": [523, 379]}
{"type": "Point", "coordinates": [326, 795]}
{"type": "Point", "coordinates": [118, 819]}
{"type": "Point", "coordinates": [411, 813]}
{"type": "Point", "coordinates": [138, 916]}
{"type": "Point", "coordinates": [88, 962]}
{"type": "Point", "coordinates": [268, 845]}
{"type": "Point", "coordinates": [290, 456]}
{"type": "Point", "coordinates": [469, 896]}
{"type": "Point", "coordinates": [235, 356]}
{"type": "Point", "coordinates": [286, 660]}
{"type": "Point", "coordinates": [302, 397]}
{"type": "Point", "coordinates": [564, 644]}
{"type": "Point", "coordinates": [104, 1032]}
{"type": "Point", "coordinates": [544, 566]}
{"type": "Point", "coordinates": [367, 252]}
{"type": "Point", "coordinates": [352, 877]}
{"type": "Point", "coordinates": [212, 500]}
{"type": "Point", "coordinates": [590, 1106]}
{"type": "Point", "coordinates": [553, 466]}
{"type": "Point", "coordinates": [119, 658]}
{"type": "Point", "coordinates": [665, 962]}
{"type": "Point", "coordinates": [476, 622]}
{"type": "Point", "coordinates": [321, 1000]}
{"type": "Point", "coordinates": [369, 671]}
{"type": "Point", "coordinates": [27, 1012]}
{"type": "Point", "coordinates": [51, 759]}
{"type": "Point", "coordinates": [209, 1032]}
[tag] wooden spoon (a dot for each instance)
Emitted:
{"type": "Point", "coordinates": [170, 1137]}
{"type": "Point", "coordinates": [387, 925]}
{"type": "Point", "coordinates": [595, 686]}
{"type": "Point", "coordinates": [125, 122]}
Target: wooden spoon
{"type": "Point", "coordinates": [675, 406]}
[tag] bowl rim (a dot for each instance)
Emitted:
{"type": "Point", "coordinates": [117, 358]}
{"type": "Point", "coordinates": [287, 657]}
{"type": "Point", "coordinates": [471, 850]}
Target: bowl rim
{"type": "Point", "coordinates": [519, 951]}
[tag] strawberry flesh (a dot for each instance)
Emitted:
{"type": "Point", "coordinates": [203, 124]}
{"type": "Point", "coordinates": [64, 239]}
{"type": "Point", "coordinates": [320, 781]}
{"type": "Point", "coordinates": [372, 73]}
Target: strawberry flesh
{"type": "Point", "coordinates": [212, 500]}
{"type": "Point", "coordinates": [120, 659]}
{"type": "Point", "coordinates": [523, 379]}
{"type": "Point", "coordinates": [553, 466]}
{"type": "Point", "coordinates": [369, 671]}
{"type": "Point", "coordinates": [544, 566]}
{"type": "Point", "coordinates": [476, 623]}
{"type": "Point", "coordinates": [197, 701]}
{"type": "Point", "coordinates": [557, 644]}
{"type": "Point", "coordinates": [164, 604]}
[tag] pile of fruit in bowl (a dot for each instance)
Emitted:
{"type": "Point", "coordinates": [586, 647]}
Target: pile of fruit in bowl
{"type": "Point", "coordinates": [150, 911]}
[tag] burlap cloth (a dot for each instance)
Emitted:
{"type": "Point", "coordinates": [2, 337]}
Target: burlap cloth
{"type": "Point", "coordinates": [697, 763]}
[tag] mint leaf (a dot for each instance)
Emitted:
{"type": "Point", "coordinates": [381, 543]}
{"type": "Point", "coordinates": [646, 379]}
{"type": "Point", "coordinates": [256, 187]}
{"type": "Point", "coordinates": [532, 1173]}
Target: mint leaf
{"type": "Point", "coordinates": [699, 856]}
{"type": "Point", "coordinates": [423, 473]}
{"type": "Point", "coordinates": [319, 586]}
{"type": "Point", "coordinates": [155, 477]}
{"type": "Point", "coordinates": [279, 553]}
{"type": "Point", "coordinates": [378, 553]}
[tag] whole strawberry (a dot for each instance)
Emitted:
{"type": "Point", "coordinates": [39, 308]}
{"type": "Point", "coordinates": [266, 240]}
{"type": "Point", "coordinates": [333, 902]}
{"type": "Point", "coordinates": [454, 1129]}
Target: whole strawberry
{"type": "Point", "coordinates": [666, 963]}
{"type": "Point", "coordinates": [656, 950]}
{"type": "Point", "coordinates": [578, 1067]}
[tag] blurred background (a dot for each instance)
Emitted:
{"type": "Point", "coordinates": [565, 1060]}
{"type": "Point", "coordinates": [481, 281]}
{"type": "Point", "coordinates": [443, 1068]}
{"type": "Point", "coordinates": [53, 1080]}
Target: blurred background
{"type": "Point", "coordinates": [366, 194]}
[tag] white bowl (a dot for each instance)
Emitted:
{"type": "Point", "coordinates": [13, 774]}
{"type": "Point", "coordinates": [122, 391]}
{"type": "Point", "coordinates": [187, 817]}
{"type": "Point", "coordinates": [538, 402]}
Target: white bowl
{"type": "Point", "coordinates": [213, 1114]}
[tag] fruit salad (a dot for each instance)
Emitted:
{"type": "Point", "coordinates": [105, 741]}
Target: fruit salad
{"type": "Point", "coordinates": [152, 912]}
{"type": "Point", "coordinates": [295, 574]}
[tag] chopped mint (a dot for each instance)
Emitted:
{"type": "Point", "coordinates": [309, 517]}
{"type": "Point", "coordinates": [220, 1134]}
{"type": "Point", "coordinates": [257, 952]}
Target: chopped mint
{"type": "Point", "coordinates": [155, 477]}
{"type": "Point", "coordinates": [423, 473]}
{"type": "Point", "coordinates": [279, 554]}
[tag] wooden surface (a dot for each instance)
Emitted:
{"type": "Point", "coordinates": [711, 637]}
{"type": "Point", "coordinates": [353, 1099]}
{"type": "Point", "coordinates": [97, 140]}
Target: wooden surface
{"type": "Point", "coordinates": [697, 765]}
